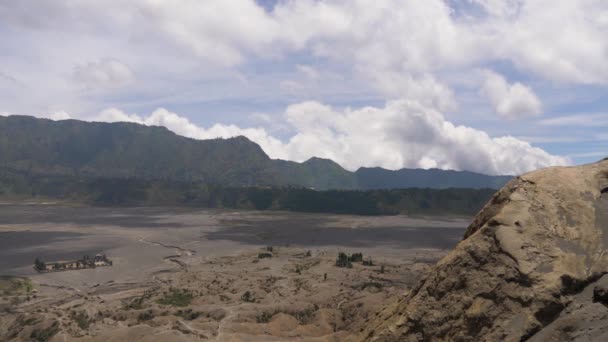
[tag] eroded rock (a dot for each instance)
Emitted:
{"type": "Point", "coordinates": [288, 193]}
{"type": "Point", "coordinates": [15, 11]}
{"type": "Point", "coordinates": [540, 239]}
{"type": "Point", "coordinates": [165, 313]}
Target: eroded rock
{"type": "Point", "coordinates": [536, 245]}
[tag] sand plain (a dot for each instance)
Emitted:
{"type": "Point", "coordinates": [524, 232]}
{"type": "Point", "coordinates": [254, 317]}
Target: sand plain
{"type": "Point", "coordinates": [209, 261]}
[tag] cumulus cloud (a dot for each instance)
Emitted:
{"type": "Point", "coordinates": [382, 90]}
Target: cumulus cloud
{"type": "Point", "coordinates": [405, 134]}
{"type": "Point", "coordinates": [393, 49]}
{"type": "Point", "coordinates": [106, 72]}
{"type": "Point", "coordinates": [510, 100]}
{"type": "Point", "coordinates": [401, 47]}
{"type": "Point", "coordinates": [400, 134]}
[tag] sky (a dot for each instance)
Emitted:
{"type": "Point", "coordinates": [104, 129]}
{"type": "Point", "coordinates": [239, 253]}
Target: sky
{"type": "Point", "coordinates": [491, 86]}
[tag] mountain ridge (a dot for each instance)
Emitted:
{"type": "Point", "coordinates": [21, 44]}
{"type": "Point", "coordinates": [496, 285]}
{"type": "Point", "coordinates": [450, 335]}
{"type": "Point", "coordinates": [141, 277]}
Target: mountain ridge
{"type": "Point", "coordinates": [130, 150]}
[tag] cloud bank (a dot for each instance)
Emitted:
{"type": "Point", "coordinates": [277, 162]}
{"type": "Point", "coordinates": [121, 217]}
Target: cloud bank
{"type": "Point", "coordinates": [402, 134]}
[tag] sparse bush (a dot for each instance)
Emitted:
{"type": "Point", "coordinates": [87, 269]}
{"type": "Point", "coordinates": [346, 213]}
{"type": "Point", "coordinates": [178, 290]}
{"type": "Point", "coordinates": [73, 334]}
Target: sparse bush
{"type": "Point", "coordinates": [368, 262]}
{"type": "Point", "coordinates": [382, 269]}
{"type": "Point", "coordinates": [188, 314]}
{"type": "Point", "coordinates": [135, 304]}
{"type": "Point", "coordinates": [372, 286]}
{"type": "Point", "coordinates": [45, 334]}
{"type": "Point", "coordinates": [145, 316]}
{"type": "Point", "coordinates": [82, 319]}
{"type": "Point", "coordinates": [269, 249]}
{"type": "Point", "coordinates": [176, 297]}
{"type": "Point", "coordinates": [248, 297]}
{"type": "Point", "coordinates": [305, 316]}
{"type": "Point", "coordinates": [264, 255]}
{"type": "Point", "coordinates": [264, 317]}
{"type": "Point", "coordinates": [343, 261]}
{"type": "Point", "coordinates": [308, 254]}
{"type": "Point", "coordinates": [356, 257]}
{"type": "Point", "coordinates": [23, 321]}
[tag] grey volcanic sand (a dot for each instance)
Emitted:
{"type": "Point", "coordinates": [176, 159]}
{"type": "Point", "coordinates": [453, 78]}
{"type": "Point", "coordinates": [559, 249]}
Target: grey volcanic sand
{"type": "Point", "coordinates": [141, 240]}
{"type": "Point", "coordinates": [18, 249]}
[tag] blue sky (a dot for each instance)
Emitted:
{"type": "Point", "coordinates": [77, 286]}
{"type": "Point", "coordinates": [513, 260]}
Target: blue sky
{"type": "Point", "coordinates": [494, 86]}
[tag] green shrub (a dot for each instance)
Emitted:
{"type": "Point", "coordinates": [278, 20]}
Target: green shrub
{"type": "Point", "coordinates": [356, 257]}
{"type": "Point", "coordinates": [176, 297]}
{"type": "Point", "coordinates": [264, 255]}
{"type": "Point", "coordinates": [343, 261]}
{"type": "Point", "coordinates": [145, 316]}
{"type": "Point", "coordinates": [82, 319]}
{"type": "Point", "coordinates": [45, 334]}
{"type": "Point", "coordinates": [248, 297]}
{"type": "Point", "coordinates": [188, 314]}
{"type": "Point", "coordinates": [264, 317]}
{"type": "Point", "coordinates": [371, 286]}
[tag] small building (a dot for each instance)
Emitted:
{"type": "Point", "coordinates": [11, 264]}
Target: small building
{"type": "Point", "coordinates": [99, 260]}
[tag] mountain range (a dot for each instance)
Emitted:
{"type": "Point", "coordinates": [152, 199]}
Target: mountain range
{"type": "Point", "coordinates": [127, 150]}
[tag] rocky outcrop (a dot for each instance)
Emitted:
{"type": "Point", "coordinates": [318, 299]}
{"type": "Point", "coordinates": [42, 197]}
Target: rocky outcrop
{"type": "Point", "coordinates": [538, 244]}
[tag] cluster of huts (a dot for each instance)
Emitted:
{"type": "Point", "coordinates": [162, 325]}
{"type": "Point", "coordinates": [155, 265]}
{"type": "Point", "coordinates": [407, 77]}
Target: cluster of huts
{"type": "Point", "coordinates": [86, 262]}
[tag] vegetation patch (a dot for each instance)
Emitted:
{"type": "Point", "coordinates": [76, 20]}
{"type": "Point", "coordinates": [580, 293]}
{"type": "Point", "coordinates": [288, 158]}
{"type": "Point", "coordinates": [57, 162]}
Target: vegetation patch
{"type": "Point", "coordinates": [304, 316]}
{"type": "Point", "coordinates": [344, 260]}
{"type": "Point", "coordinates": [15, 286]}
{"type": "Point", "coordinates": [45, 334]}
{"type": "Point", "coordinates": [356, 257]}
{"type": "Point", "coordinates": [22, 320]}
{"type": "Point", "coordinates": [137, 303]}
{"type": "Point", "coordinates": [139, 191]}
{"type": "Point", "coordinates": [248, 297]}
{"type": "Point", "coordinates": [145, 316]}
{"type": "Point", "coordinates": [176, 297]}
{"type": "Point", "coordinates": [82, 319]}
{"type": "Point", "coordinates": [265, 316]}
{"type": "Point", "coordinates": [188, 314]}
{"type": "Point", "coordinates": [371, 286]}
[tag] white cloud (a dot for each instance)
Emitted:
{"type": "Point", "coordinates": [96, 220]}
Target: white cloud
{"type": "Point", "coordinates": [382, 50]}
{"type": "Point", "coordinates": [400, 47]}
{"type": "Point", "coordinates": [310, 72]}
{"type": "Point", "coordinates": [184, 127]}
{"type": "Point", "coordinates": [405, 134]}
{"type": "Point", "coordinates": [581, 120]}
{"type": "Point", "coordinates": [401, 134]}
{"type": "Point", "coordinates": [60, 115]}
{"type": "Point", "coordinates": [510, 100]}
{"type": "Point", "coordinates": [106, 72]}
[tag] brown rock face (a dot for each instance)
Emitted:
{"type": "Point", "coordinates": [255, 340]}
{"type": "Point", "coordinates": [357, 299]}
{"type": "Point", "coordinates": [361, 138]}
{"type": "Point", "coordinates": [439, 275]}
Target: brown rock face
{"type": "Point", "coordinates": [540, 241]}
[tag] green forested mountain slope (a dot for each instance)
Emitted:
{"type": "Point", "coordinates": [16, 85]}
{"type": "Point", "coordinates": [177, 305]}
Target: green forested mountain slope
{"type": "Point", "coordinates": [125, 150]}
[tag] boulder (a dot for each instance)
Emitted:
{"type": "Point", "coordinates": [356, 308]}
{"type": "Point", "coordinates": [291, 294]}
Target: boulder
{"type": "Point", "coordinates": [539, 242]}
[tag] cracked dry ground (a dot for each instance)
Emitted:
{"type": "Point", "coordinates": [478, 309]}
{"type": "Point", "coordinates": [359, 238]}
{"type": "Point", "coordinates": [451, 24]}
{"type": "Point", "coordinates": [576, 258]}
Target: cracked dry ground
{"type": "Point", "coordinates": [290, 296]}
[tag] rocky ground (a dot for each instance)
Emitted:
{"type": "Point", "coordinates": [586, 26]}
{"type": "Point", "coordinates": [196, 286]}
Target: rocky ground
{"type": "Point", "coordinates": [263, 294]}
{"type": "Point", "coordinates": [532, 266]}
